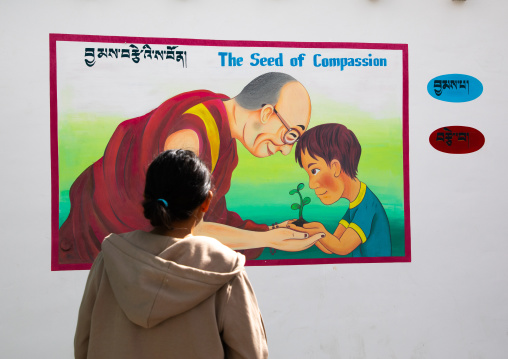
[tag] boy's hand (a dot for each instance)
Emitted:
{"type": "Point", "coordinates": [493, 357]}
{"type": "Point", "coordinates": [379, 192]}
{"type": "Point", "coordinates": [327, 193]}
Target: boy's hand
{"type": "Point", "coordinates": [311, 228]}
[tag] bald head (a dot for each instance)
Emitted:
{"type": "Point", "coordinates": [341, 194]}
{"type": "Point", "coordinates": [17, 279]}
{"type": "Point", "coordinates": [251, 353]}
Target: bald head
{"type": "Point", "coordinates": [294, 105]}
{"type": "Point", "coordinates": [263, 90]}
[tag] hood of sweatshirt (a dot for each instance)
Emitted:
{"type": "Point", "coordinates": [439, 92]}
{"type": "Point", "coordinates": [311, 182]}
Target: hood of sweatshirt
{"type": "Point", "coordinates": [157, 277]}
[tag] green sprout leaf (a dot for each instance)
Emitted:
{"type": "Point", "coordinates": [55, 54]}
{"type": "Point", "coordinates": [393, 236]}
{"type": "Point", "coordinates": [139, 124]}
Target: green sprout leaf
{"type": "Point", "coordinates": [293, 191]}
{"type": "Point", "coordinates": [306, 200]}
{"type": "Point", "coordinates": [300, 186]}
{"type": "Point", "coordinates": [295, 206]}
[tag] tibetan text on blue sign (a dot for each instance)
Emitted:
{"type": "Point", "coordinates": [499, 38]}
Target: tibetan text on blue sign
{"type": "Point", "coordinates": [455, 88]}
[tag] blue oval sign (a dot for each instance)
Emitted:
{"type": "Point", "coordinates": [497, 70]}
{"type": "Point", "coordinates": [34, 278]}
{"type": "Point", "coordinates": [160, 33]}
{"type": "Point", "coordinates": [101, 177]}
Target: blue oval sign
{"type": "Point", "coordinates": [455, 88]}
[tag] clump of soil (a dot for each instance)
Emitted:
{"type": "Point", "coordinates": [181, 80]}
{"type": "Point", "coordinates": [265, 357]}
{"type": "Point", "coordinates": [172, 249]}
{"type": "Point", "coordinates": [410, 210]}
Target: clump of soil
{"type": "Point", "coordinates": [300, 222]}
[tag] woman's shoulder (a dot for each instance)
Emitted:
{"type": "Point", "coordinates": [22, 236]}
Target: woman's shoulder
{"type": "Point", "coordinates": [208, 253]}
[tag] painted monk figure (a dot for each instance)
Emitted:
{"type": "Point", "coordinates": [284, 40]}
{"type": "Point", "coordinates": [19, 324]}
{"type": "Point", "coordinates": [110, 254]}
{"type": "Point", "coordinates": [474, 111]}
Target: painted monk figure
{"type": "Point", "coordinates": [268, 116]}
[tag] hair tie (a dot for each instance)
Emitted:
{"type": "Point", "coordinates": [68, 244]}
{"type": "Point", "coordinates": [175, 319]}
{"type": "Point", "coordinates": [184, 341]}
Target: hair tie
{"type": "Point", "coordinates": [163, 202]}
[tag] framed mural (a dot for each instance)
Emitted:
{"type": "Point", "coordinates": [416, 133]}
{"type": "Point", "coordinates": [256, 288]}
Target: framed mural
{"type": "Point", "coordinates": [307, 143]}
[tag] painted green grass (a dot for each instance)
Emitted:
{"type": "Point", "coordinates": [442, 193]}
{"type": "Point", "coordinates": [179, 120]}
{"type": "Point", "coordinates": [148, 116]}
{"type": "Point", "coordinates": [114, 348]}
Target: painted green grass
{"type": "Point", "coordinates": [260, 187]}
{"type": "Point", "coordinates": [82, 139]}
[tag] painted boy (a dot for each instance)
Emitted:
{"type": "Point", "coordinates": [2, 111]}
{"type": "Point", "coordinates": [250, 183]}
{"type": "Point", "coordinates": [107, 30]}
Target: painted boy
{"type": "Point", "coordinates": [330, 153]}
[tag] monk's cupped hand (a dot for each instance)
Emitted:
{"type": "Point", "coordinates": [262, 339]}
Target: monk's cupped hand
{"type": "Point", "coordinates": [290, 240]}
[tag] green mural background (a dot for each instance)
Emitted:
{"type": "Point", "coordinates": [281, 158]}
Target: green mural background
{"type": "Point", "coordinates": [260, 187]}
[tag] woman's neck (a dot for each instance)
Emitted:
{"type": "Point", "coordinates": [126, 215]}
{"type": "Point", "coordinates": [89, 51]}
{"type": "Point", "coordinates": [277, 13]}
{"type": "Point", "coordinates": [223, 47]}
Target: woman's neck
{"type": "Point", "coordinates": [180, 229]}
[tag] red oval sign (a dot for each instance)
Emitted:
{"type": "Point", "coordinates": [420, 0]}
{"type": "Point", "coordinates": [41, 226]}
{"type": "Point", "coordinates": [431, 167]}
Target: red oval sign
{"type": "Point", "coordinates": [457, 139]}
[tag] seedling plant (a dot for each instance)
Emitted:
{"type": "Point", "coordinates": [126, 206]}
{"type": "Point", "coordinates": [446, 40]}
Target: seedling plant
{"type": "Point", "coordinates": [299, 206]}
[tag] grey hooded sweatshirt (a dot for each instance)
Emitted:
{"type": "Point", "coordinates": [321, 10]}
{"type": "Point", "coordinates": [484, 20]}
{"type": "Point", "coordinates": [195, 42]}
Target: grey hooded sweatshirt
{"type": "Point", "coordinates": [151, 296]}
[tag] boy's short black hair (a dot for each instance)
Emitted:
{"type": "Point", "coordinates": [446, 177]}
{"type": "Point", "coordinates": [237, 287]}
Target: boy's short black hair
{"type": "Point", "coordinates": [331, 141]}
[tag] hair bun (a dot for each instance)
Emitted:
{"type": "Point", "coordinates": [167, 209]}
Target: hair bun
{"type": "Point", "coordinates": [178, 177]}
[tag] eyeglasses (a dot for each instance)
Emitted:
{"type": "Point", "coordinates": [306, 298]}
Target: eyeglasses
{"type": "Point", "coordinates": [292, 135]}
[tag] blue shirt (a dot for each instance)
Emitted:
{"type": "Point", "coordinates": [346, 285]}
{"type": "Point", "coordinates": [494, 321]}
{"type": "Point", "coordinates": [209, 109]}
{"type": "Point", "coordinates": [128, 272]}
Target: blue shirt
{"type": "Point", "coordinates": [367, 217]}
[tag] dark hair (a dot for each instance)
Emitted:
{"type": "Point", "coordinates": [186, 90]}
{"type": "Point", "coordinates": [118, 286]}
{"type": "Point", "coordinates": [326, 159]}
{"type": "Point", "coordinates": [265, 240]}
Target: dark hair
{"type": "Point", "coordinates": [263, 90]}
{"type": "Point", "coordinates": [331, 141]}
{"type": "Point", "coordinates": [177, 182]}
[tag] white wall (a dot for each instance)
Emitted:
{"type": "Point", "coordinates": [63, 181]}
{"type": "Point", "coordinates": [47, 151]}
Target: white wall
{"type": "Point", "coordinates": [450, 302]}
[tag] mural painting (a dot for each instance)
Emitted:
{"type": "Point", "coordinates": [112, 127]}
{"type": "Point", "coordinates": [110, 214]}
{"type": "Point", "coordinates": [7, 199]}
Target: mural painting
{"type": "Point", "coordinates": [274, 122]}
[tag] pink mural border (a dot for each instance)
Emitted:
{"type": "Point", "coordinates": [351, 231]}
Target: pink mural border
{"type": "Point", "coordinates": [54, 38]}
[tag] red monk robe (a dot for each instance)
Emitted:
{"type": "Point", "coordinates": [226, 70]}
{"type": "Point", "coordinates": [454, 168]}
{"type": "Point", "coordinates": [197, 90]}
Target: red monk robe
{"type": "Point", "coordinates": [106, 198]}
